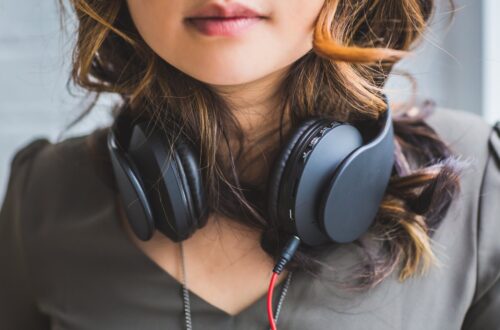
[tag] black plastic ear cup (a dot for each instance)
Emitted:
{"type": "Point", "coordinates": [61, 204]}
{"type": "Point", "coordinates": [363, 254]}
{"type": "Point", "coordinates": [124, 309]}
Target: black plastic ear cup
{"type": "Point", "coordinates": [334, 180]}
{"type": "Point", "coordinates": [295, 166]}
{"type": "Point", "coordinates": [276, 175]}
{"type": "Point", "coordinates": [306, 163]}
{"type": "Point", "coordinates": [347, 209]}
{"type": "Point", "coordinates": [321, 160]}
{"type": "Point", "coordinates": [171, 182]}
{"type": "Point", "coordinates": [190, 164]}
{"type": "Point", "coordinates": [132, 190]}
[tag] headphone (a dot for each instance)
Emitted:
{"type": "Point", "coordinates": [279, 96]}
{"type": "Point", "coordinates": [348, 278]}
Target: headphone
{"type": "Point", "coordinates": [326, 184]}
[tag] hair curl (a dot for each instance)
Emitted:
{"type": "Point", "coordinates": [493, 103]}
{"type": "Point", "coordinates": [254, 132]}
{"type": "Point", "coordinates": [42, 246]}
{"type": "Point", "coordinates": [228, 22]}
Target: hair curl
{"type": "Point", "coordinates": [356, 43]}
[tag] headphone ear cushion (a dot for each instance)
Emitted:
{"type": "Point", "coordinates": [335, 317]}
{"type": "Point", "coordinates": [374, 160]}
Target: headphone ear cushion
{"type": "Point", "coordinates": [190, 165]}
{"type": "Point", "coordinates": [279, 166]}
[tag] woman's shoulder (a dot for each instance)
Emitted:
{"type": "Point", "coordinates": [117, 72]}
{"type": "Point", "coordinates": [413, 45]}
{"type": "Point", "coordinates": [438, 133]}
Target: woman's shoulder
{"type": "Point", "coordinates": [473, 139]}
{"type": "Point", "coordinates": [475, 143]}
{"type": "Point", "coordinates": [466, 133]}
{"type": "Point", "coordinates": [44, 173]}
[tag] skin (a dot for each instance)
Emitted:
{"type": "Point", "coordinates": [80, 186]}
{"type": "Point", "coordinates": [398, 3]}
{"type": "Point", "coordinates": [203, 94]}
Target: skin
{"type": "Point", "coordinates": [246, 70]}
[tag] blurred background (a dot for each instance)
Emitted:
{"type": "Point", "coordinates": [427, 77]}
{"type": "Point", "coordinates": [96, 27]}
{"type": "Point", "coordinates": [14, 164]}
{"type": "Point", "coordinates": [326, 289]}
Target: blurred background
{"type": "Point", "coordinates": [456, 65]}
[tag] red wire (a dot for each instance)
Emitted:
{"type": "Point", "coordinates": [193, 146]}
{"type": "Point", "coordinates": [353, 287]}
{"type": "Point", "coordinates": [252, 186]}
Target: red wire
{"type": "Point", "coordinates": [270, 315]}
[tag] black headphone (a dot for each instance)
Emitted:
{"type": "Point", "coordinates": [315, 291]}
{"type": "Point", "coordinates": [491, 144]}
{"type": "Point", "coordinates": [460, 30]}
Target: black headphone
{"type": "Point", "coordinates": [326, 184]}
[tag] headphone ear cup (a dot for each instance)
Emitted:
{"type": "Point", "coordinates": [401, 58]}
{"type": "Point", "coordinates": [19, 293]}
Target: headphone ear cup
{"type": "Point", "coordinates": [171, 181]}
{"type": "Point", "coordinates": [190, 165]}
{"type": "Point", "coordinates": [276, 175]}
{"type": "Point", "coordinates": [343, 218]}
{"type": "Point", "coordinates": [132, 192]}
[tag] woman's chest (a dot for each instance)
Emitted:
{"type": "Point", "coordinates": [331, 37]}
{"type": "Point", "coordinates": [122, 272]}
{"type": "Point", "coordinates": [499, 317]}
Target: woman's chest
{"type": "Point", "coordinates": [97, 279]}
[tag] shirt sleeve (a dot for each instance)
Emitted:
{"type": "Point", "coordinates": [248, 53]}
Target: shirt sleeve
{"type": "Point", "coordinates": [484, 312]}
{"type": "Point", "coordinates": [18, 301]}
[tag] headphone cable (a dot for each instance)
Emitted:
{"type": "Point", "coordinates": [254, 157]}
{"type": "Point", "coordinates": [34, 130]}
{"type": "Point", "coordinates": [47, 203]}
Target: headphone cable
{"type": "Point", "coordinates": [286, 255]}
{"type": "Point", "coordinates": [187, 304]}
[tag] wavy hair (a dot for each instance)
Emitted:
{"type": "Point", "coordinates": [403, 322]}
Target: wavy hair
{"type": "Point", "coordinates": [356, 43]}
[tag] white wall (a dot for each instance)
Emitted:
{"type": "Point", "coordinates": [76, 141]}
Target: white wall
{"type": "Point", "coordinates": [448, 64]}
{"type": "Point", "coordinates": [491, 63]}
{"type": "Point", "coordinates": [34, 66]}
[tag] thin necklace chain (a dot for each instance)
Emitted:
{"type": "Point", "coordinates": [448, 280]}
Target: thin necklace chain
{"type": "Point", "coordinates": [187, 303]}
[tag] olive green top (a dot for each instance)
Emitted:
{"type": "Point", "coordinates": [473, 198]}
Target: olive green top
{"type": "Point", "coordinates": [66, 262]}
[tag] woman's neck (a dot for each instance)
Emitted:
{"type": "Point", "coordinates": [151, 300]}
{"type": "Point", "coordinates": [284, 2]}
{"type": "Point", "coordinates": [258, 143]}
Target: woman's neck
{"type": "Point", "coordinates": [254, 103]}
{"type": "Point", "coordinates": [256, 107]}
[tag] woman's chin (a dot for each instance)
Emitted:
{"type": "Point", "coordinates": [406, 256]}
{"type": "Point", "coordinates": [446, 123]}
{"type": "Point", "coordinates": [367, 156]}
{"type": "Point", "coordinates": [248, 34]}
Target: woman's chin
{"type": "Point", "coordinates": [225, 77]}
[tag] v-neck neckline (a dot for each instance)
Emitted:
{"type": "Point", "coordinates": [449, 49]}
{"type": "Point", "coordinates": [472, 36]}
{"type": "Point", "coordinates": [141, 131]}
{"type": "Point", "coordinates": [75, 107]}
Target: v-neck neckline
{"type": "Point", "coordinates": [154, 267]}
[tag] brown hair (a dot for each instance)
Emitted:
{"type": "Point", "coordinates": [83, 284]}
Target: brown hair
{"type": "Point", "coordinates": [356, 43]}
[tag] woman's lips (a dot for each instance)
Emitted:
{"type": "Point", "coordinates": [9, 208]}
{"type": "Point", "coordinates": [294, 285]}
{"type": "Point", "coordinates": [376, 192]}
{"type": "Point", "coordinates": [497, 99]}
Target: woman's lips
{"type": "Point", "coordinates": [223, 26]}
{"type": "Point", "coordinates": [229, 19]}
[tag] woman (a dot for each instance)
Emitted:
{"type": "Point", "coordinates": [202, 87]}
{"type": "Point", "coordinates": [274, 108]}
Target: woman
{"type": "Point", "coordinates": [235, 81]}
